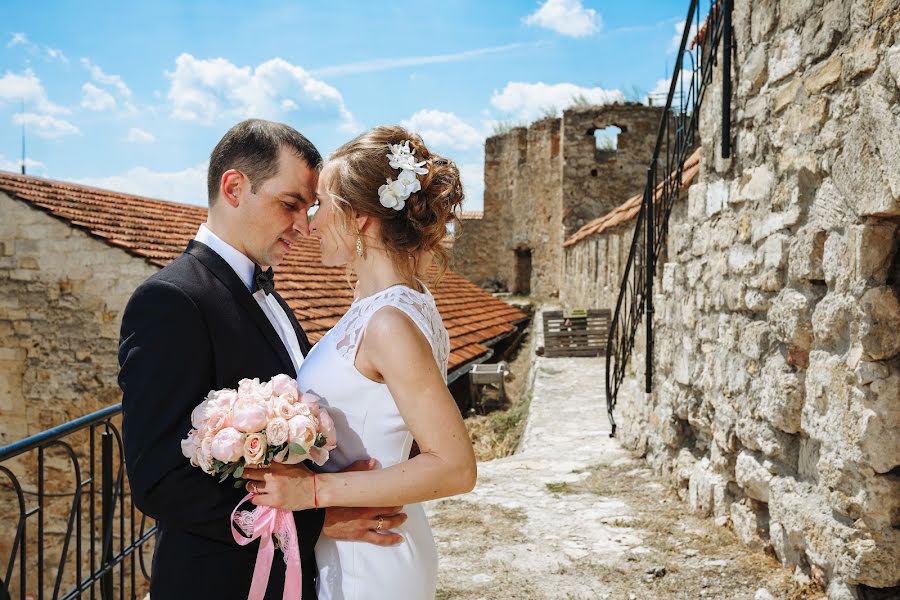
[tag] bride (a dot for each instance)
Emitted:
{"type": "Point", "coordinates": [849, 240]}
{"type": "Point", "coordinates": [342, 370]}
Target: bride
{"type": "Point", "coordinates": [384, 204]}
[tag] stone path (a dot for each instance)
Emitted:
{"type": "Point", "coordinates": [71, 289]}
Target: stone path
{"type": "Point", "coordinates": [545, 523]}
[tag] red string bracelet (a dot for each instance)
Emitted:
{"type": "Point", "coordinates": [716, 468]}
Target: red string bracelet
{"type": "Point", "coordinates": [315, 494]}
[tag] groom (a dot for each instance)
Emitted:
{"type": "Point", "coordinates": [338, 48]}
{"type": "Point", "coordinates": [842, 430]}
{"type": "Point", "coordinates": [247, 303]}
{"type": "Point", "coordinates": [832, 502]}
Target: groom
{"type": "Point", "coordinates": [205, 321]}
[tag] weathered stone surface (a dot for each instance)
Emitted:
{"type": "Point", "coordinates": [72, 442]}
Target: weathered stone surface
{"type": "Point", "coordinates": [785, 59]}
{"type": "Point", "coordinates": [881, 323]}
{"type": "Point", "coordinates": [780, 392]}
{"type": "Point", "coordinates": [825, 75]}
{"type": "Point", "coordinates": [789, 318]}
{"type": "Point", "coordinates": [806, 252]}
{"type": "Point", "coordinates": [754, 475]}
{"type": "Point", "coordinates": [832, 320]}
{"type": "Point", "coordinates": [751, 526]}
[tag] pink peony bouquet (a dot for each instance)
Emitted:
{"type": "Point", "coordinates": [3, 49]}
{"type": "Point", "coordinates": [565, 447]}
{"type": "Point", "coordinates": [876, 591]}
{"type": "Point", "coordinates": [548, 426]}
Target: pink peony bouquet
{"type": "Point", "coordinates": [255, 425]}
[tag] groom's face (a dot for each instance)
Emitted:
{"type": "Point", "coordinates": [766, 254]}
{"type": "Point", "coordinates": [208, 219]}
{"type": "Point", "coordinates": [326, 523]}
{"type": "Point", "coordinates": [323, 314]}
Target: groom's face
{"type": "Point", "coordinates": [275, 216]}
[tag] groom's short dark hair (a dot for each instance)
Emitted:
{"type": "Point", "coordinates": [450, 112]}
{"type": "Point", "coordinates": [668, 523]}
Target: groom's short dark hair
{"type": "Point", "coordinates": [252, 147]}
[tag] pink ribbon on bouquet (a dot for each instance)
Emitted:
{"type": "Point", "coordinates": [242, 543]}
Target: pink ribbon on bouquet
{"type": "Point", "coordinates": [264, 522]}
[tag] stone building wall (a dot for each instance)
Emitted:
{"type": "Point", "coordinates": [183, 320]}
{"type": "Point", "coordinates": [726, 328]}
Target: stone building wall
{"type": "Point", "coordinates": [62, 294]}
{"type": "Point", "coordinates": [542, 183]}
{"type": "Point", "coordinates": [593, 268]}
{"type": "Point", "coordinates": [596, 182]}
{"type": "Point", "coordinates": [776, 402]}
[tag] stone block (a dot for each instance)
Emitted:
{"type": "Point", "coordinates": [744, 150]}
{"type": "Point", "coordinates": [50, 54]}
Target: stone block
{"type": "Point", "coordinates": [832, 320]}
{"type": "Point", "coordinates": [762, 19]}
{"type": "Point", "coordinates": [874, 247]}
{"type": "Point", "coordinates": [859, 172]}
{"type": "Point", "coordinates": [823, 31]}
{"type": "Point", "coordinates": [790, 318]}
{"type": "Point", "coordinates": [741, 259]}
{"type": "Point", "coordinates": [837, 259]}
{"type": "Point", "coordinates": [879, 439]}
{"type": "Point", "coordinates": [754, 339]}
{"type": "Point", "coordinates": [824, 76]}
{"type": "Point", "coordinates": [757, 301]}
{"type": "Point", "coordinates": [779, 390]}
{"type": "Point", "coordinates": [768, 223]}
{"type": "Point", "coordinates": [760, 435]}
{"type": "Point", "coordinates": [716, 197]}
{"type": "Point", "coordinates": [862, 57]}
{"type": "Point", "coordinates": [786, 56]}
{"type": "Point", "coordinates": [787, 95]}
{"type": "Point", "coordinates": [707, 491]}
{"type": "Point", "coordinates": [880, 323]}
{"type": "Point", "coordinates": [754, 475]}
{"type": "Point", "coordinates": [754, 71]}
{"type": "Point", "coordinates": [806, 251]}
{"type": "Point", "coordinates": [755, 185]}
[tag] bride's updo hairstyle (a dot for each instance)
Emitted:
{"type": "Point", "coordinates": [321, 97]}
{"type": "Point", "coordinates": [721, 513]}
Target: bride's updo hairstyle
{"type": "Point", "coordinates": [415, 232]}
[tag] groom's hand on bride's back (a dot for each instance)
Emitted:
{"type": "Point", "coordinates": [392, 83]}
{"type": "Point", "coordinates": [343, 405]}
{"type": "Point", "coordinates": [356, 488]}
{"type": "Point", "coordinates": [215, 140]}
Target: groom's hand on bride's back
{"type": "Point", "coordinates": [359, 524]}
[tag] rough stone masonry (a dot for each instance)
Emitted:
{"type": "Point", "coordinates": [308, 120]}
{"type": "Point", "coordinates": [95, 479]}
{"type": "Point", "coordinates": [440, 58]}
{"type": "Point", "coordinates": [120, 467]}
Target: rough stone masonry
{"type": "Point", "coordinates": [776, 403]}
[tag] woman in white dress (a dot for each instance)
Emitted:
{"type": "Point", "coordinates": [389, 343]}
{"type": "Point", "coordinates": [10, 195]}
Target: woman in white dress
{"type": "Point", "coordinates": [384, 204]}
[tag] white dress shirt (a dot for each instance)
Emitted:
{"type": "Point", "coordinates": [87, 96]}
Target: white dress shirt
{"type": "Point", "coordinates": [244, 267]}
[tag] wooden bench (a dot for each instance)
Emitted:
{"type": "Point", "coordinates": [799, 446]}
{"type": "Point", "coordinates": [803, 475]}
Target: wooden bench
{"type": "Point", "coordinates": [576, 332]}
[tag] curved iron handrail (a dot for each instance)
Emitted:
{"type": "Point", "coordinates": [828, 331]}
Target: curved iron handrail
{"type": "Point", "coordinates": [676, 138]}
{"type": "Point", "coordinates": [124, 560]}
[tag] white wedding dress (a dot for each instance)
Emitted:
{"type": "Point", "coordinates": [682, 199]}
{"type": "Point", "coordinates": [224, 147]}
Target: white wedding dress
{"type": "Point", "coordinates": [369, 425]}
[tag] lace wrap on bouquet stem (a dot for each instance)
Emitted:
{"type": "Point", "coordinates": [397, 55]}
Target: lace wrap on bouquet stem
{"type": "Point", "coordinates": [265, 523]}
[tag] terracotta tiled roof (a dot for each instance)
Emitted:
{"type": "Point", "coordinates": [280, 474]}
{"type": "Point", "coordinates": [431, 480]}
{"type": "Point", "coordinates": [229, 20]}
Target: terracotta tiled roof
{"type": "Point", "coordinates": [158, 232]}
{"type": "Point", "coordinates": [471, 214]}
{"type": "Point", "coordinates": [701, 33]}
{"type": "Point", "coordinates": [629, 209]}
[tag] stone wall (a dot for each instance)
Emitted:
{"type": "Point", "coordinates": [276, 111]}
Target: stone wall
{"type": "Point", "coordinates": [776, 402]}
{"type": "Point", "coordinates": [545, 181]}
{"type": "Point", "coordinates": [62, 294]}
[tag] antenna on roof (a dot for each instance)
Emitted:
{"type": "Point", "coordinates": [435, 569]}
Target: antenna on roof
{"type": "Point", "coordinates": [23, 136]}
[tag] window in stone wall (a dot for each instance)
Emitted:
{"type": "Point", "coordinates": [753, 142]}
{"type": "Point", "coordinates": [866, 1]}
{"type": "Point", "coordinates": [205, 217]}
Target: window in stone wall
{"type": "Point", "coordinates": [606, 141]}
{"type": "Point", "coordinates": [523, 271]}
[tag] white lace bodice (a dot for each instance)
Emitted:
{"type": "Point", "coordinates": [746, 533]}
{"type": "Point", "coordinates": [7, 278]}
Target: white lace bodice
{"type": "Point", "coordinates": [417, 306]}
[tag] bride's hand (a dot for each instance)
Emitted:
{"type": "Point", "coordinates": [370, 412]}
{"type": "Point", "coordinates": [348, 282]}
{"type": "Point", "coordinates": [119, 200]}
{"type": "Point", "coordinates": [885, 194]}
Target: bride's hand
{"type": "Point", "coordinates": [283, 486]}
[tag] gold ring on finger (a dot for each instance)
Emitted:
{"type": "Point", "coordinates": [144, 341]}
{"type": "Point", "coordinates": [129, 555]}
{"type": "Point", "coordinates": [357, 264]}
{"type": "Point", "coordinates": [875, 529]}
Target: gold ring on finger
{"type": "Point", "coordinates": [380, 524]}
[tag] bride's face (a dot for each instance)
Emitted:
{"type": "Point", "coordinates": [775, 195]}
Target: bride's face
{"type": "Point", "coordinates": [336, 244]}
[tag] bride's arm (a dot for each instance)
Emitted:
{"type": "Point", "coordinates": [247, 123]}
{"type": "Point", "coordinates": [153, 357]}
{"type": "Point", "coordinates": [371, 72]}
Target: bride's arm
{"type": "Point", "coordinates": [395, 348]}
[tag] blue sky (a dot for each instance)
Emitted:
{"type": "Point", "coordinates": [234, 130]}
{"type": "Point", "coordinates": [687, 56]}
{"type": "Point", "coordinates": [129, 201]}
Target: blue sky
{"type": "Point", "coordinates": [133, 96]}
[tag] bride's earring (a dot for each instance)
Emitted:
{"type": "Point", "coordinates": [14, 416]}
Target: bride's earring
{"type": "Point", "coordinates": [359, 246]}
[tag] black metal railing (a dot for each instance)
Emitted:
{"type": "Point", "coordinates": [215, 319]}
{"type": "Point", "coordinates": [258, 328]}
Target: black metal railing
{"type": "Point", "coordinates": [676, 139]}
{"type": "Point", "coordinates": [69, 528]}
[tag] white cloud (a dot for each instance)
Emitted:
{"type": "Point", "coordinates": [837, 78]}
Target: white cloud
{"type": "Point", "coordinates": [31, 166]}
{"type": "Point", "coordinates": [98, 75]}
{"type": "Point", "coordinates": [528, 101]}
{"type": "Point", "coordinates": [384, 64]}
{"type": "Point", "coordinates": [187, 186]}
{"type": "Point", "coordinates": [567, 17]}
{"type": "Point", "coordinates": [45, 126]}
{"type": "Point", "coordinates": [444, 130]}
{"type": "Point", "coordinates": [17, 39]}
{"type": "Point", "coordinates": [15, 88]}
{"type": "Point", "coordinates": [137, 135]}
{"type": "Point", "coordinates": [96, 99]}
{"type": "Point", "coordinates": [202, 90]}
{"type": "Point", "coordinates": [675, 43]}
{"type": "Point", "coordinates": [56, 54]}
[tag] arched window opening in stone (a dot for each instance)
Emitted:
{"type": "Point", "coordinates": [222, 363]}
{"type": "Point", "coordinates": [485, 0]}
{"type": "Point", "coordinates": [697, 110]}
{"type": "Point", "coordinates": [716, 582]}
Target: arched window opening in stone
{"type": "Point", "coordinates": [606, 140]}
{"type": "Point", "coordinates": [523, 271]}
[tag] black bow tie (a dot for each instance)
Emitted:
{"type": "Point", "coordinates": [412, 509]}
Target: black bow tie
{"type": "Point", "coordinates": [263, 280]}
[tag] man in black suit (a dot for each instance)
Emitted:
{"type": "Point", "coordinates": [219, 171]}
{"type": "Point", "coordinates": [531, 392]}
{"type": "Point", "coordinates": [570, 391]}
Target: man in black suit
{"type": "Point", "coordinates": [205, 321]}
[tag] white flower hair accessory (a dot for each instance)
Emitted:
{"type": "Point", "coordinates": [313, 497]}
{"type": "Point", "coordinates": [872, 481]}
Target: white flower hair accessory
{"type": "Point", "coordinates": [394, 194]}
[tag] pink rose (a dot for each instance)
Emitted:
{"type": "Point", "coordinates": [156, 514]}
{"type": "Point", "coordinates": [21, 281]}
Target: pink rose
{"type": "Point", "coordinates": [302, 430]}
{"type": "Point", "coordinates": [284, 409]}
{"type": "Point", "coordinates": [218, 418]}
{"type": "Point", "coordinates": [248, 415]}
{"type": "Point", "coordinates": [198, 415]}
{"type": "Point", "coordinates": [277, 431]}
{"type": "Point", "coordinates": [255, 449]}
{"type": "Point", "coordinates": [204, 453]}
{"type": "Point", "coordinates": [326, 428]}
{"type": "Point", "coordinates": [224, 399]}
{"type": "Point", "coordinates": [227, 445]}
{"type": "Point", "coordinates": [284, 386]}
{"type": "Point", "coordinates": [252, 389]}
{"type": "Point", "coordinates": [312, 401]}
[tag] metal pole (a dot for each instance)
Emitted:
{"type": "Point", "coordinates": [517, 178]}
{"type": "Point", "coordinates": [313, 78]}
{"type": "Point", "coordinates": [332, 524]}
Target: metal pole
{"type": "Point", "coordinates": [726, 80]}
{"type": "Point", "coordinates": [106, 513]}
{"type": "Point", "coordinates": [648, 201]}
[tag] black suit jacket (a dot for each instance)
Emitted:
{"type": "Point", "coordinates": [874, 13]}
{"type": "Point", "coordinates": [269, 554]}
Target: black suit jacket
{"type": "Point", "coordinates": [191, 328]}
